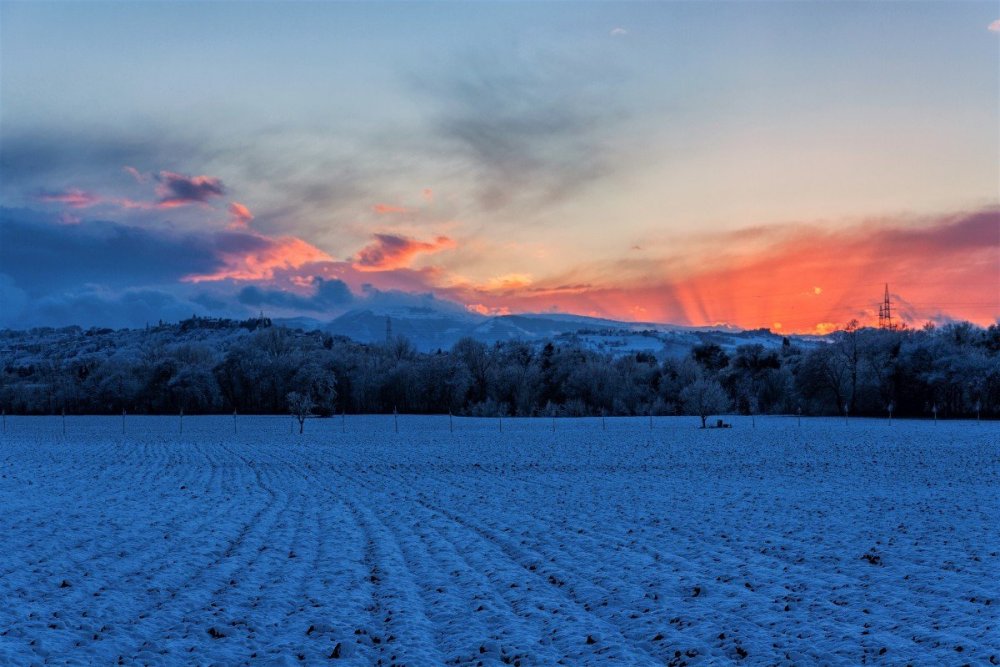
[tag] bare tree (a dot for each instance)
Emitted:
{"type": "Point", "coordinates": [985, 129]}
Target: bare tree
{"type": "Point", "coordinates": [300, 406]}
{"type": "Point", "coordinates": [747, 392]}
{"type": "Point", "coordinates": [703, 398]}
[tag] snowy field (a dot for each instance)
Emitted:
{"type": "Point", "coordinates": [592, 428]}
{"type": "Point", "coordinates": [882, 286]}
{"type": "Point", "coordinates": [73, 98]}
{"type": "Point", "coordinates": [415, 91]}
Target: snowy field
{"type": "Point", "coordinates": [831, 544]}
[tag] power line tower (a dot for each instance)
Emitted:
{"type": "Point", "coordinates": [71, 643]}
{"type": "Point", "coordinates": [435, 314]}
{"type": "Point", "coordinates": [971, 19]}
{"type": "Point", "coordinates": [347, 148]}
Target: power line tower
{"type": "Point", "coordinates": [388, 329]}
{"type": "Point", "coordinates": [885, 312]}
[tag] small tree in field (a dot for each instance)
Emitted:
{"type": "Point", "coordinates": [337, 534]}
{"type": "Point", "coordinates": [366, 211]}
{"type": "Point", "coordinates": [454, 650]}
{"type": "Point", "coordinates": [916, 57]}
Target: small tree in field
{"type": "Point", "coordinates": [301, 406]}
{"type": "Point", "coordinates": [704, 398]}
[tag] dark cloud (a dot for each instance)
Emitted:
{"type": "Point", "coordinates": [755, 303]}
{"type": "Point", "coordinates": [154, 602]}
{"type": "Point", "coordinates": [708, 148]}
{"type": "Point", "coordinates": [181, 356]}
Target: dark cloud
{"type": "Point", "coordinates": [533, 128]}
{"type": "Point", "coordinates": [59, 156]}
{"type": "Point", "coordinates": [409, 300]}
{"type": "Point", "coordinates": [40, 254]}
{"type": "Point", "coordinates": [211, 302]}
{"type": "Point", "coordinates": [328, 294]}
{"type": "Point", "coordinates": [113, 274]}
{"type": "Point", "coordinates": [98, 307]}
{"type": "Point", "coordinates": [178, 190]}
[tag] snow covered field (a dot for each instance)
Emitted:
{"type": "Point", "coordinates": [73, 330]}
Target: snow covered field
{"type": "Point", "coordinates": [825, 544]}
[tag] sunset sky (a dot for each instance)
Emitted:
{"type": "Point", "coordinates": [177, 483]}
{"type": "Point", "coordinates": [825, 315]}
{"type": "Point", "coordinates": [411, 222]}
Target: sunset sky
{"type": "Point", "coordinates": [752, 164]}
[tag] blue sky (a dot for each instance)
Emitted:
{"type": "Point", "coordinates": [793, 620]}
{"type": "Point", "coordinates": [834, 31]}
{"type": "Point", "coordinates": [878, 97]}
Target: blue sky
{"type": "Point", "coordinates": [506, 156]}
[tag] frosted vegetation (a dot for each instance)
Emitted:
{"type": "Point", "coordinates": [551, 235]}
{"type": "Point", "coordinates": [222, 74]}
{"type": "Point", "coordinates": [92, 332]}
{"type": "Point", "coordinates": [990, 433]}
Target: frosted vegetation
{"type": "Point", "coordinates": [204, 366]}
{"type": "Point", "coordinates": [221, 540]}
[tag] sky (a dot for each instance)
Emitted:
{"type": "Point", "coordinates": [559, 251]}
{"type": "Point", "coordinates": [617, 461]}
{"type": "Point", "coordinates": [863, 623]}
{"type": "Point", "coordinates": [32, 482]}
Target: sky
{"type": "Point", "coordinates": [765, 164]}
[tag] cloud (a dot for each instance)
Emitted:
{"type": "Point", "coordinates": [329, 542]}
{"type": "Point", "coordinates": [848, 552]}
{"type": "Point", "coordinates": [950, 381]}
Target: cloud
{"type": "Point", "coordinates": [82, 156]}
{"type": "Point", "coordinates": [327, 295]}
{"type": "Point", "coordinates": [389, 251]}
{"type": "Point", "coordinates": [618, 32]}
{"type": "Point", "coordinates": [239, 216]}
{"type": "Point", "coordinates": [481, 309]}
{"type": "Point", "coordinates": [507, 282]}
{"type": "Point", "coordinates": [945, 264]}
{"type": "Point", "coordinates": [384, 209]}
{"type": "Point", "coordinates": [173, 190]}
{"type": "Point", "coordinates": [533, 129]}
{"type": "Point", "coordinates": [131, 308]}
{"type": "Point", "coordinates": [136, 174]}
{"type": "Point", "coordinates": [77, 198]}
{"type": "Point", "coordinates": [97, 306]}
{"type": "Point", "coordinates": [180, 190]}
{"type": "Point", "coordinates": [248, 256]}
{"type": "Point", "coordinates": [995, 26]}
{"type": "Point", "coordinates": [74, 198]}
{"type": "Point", "coordinates": [43, 255]}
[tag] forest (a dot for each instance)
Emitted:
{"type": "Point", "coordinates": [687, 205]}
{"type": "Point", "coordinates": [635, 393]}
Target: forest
{"type": "Point", "coordinates": [206, 366]}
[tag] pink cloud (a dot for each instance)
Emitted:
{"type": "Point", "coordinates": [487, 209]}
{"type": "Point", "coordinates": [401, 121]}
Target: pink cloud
{"type": "Point", "coordinates": [389, 251]}
{"type": "Point", "coordinates": [387, 209]}
{"type": "Point", "coordinates": [239, 216]}
{"type": "Point", "coordinates": [172, 189]}
{"type": "Point", "coordinates": [74, 198]}
{"type": "Point", "coordinates": [136, 174]}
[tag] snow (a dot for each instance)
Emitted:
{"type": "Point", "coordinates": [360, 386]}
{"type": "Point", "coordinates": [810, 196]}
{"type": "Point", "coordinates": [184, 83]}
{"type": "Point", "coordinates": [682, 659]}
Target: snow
{"type": "Point", "coordinates": [829, 543]}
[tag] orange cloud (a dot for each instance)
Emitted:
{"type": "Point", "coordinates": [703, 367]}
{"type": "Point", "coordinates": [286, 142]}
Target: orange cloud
{"type": "Point", "coordinates": [389, 251]}
{"type": "Point", "coordinates": [947, 267]}
{"type": "Point", "coordinates": [507, 282]}
{"type": "Point", "coordinates": [260, 257]}
{"type": "Point", "coordinates": [486, 310]}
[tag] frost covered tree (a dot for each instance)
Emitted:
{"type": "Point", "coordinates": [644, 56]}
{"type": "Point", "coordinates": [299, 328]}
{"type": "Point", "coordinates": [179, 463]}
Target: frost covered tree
{"type": "Point", "coordinates": [704, 398]}
{"type": "Point", "coordinates": [301, 407]}
{"type": "Point", "coordinates": [210, 365]}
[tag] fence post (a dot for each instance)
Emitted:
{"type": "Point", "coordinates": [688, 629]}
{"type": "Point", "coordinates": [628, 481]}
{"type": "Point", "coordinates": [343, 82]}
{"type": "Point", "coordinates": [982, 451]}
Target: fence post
{"type": "Point", "coordinates": [451, 424]}
{"type": "Point", "coordinates": [343, 420]}
{"type": "Point", "coordinates": [395, 419]}
{"type": "Point", "coordinates": [181, 420]}
{"type": "Point", "coordinates": [64, 421]}
{"type": "Point", "coordinates": [123, 421]}
{"type": "Point", "coordinates": [234, 421]}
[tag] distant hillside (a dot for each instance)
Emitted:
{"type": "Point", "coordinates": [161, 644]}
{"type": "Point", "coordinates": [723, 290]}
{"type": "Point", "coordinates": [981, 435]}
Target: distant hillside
{"type": "Point", "coordinates": [430, 329]}
{"type": "Point", "coordinates": [426, 329]}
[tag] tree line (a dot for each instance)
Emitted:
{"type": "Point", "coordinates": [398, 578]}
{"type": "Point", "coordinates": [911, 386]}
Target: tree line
{"type": "Point", "coordinates": [212, 366]}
